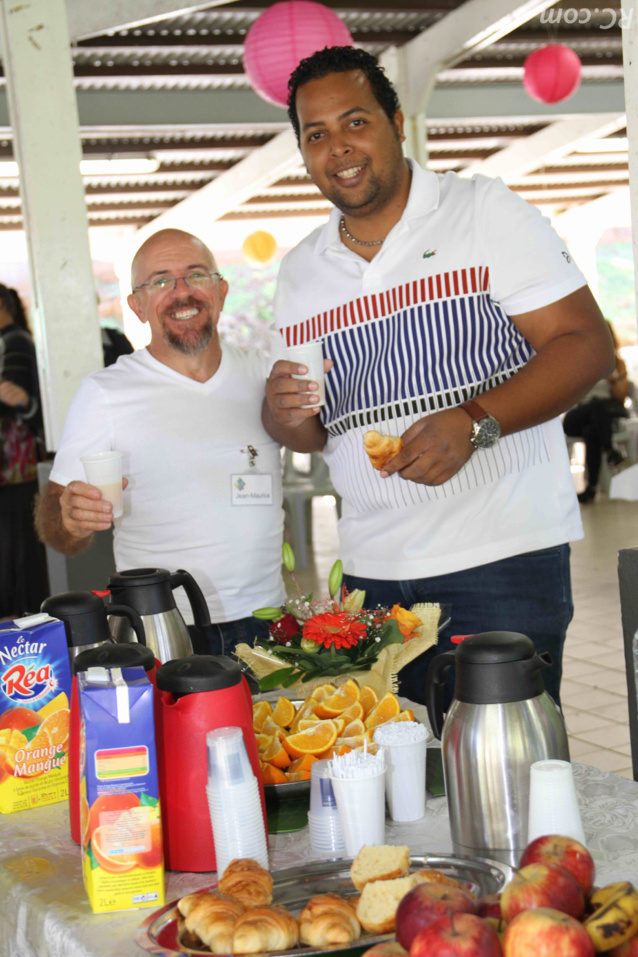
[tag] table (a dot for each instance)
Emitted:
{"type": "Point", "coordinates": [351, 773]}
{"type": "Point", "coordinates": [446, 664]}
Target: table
{"type": "Point", "coordinates": [44, 911]}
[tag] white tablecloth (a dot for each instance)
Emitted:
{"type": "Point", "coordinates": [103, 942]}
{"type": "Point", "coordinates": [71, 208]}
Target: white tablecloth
{"type": "Point", "coordinates": [47, 914]}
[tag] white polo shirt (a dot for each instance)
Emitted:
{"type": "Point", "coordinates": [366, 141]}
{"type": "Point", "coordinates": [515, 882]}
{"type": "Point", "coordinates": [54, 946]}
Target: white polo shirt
{"type": "Point", "coordinates": [421, 328]}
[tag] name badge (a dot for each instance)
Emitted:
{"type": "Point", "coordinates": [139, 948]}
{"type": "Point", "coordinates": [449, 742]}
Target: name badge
{"type": "Point", "coordinates": [251, 489]}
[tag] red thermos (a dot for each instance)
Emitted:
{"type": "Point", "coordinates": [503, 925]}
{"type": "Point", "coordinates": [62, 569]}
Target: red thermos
{"type": "Point", "coordinates": [105, 656]}
{"type": "Point", "coordinates": [198, 694]}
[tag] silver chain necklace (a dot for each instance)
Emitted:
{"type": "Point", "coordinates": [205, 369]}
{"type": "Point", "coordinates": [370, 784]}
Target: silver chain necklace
{"type": "Point", "coordinates": [359, 242]}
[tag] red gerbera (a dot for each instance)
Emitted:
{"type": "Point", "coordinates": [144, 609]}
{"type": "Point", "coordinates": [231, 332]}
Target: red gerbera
{"type": "Point", "coordinates": [338, 629]}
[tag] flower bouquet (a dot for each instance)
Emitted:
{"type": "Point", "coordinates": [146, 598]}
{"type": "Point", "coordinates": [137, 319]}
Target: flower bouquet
{"type": "Point", "coordinates": [315, 639]}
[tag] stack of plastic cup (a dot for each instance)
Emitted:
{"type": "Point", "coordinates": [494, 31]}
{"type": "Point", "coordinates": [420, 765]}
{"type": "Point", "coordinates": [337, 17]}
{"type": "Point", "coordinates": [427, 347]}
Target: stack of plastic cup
{"type": "Point", "coordinates": [358, 781]}
{"type": "Point", "coordinates": [553, 805]}
{"type": "Point", "coordinates": [404, 745]}
{"type": "Point", "coordinates": [324, 824]}
{"type": "Point", "coordinates": [233, 800]}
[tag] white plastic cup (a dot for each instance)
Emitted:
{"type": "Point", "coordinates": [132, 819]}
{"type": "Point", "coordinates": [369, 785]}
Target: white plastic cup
{"type": "Point", "coordinates": [553, 805]}
{"type": "Point", "coordinates": [326, 836]}
{"type": "Point", "coordinates": [104, 471]}
{"type": "Point", "coordinates": [311, 356]}
{"type": "Point", "coordinates": [228, 763]}
{"type": "Point", "coordinates": [361, 804]}
{"type": "Point", "coordinates": [405, 769]}
{"type": "Point", "coordinates": [237, 822]}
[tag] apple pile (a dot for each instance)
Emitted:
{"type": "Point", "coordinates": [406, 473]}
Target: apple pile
{"type": "Point", "coordinates": [549, 909]}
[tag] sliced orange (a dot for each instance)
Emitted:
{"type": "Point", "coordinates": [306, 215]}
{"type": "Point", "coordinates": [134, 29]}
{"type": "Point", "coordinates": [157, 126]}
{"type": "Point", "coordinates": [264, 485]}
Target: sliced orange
{"type": "Point", "coordinates": [320, 736]}
{"type": "Point", "coordinates": [322, 691]}
{"type": "Point", "coordinates": [263, 741]}
{"type": "Point", "coordinates": [276, 755]}
{"type": "Point", "coordinates": [272, 775]}
{"type": "Point", "coordinates": [367, 700]}
{"type": "Point", "coordinates": [356, 741]}
{"type": "Point", "coordinates": [261, 711]}
{"type": "Point", "coordinates": [335, 751]}
{"type": "Point", "coordinates": [113, 865]}
{"type": "Point", "coordinates": [354, 711]}
{"type": "Point", "coordinates": [406, 715]}
{"type": "Point", "coordinates": [56, 726]}
{"type": "Point", "coordinates": [307, 722]}
{"type": "Point", "coordinates": [284, 712]}
{"type": "Point", "coordinates": [354, 727]}
{"type": "Point", "coordinates": [298, 775]}
{"type": "Point", "coordinates": [388, 707]}
{"type": "Point", "coordinates": [371, 748]}
{"type": "Point", "coordinates": [306, 708]}
{"type": "Point", "coordinates": [269, 727]}
{"type": "Point", "coordinates": [345, 696]}
{"type": "Point", "coordinates": [304, 763]}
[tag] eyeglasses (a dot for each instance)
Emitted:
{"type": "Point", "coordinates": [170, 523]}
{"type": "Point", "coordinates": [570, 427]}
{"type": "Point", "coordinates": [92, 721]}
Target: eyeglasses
{"type": "Point", "coordinates": [194, 280]}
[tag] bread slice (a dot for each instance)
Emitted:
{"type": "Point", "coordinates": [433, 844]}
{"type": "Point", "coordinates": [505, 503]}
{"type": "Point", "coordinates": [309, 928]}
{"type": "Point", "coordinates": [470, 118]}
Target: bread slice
{"type": "Point", "coordinates": [378, 903]}
{"type": "Point", "coordinates": [379, 863]}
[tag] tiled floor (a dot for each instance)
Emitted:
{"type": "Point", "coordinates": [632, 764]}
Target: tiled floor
{"type": "Point", "coordinates": [594, 689]}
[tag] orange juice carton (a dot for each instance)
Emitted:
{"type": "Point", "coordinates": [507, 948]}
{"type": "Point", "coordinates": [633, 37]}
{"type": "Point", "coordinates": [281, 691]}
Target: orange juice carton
{"type": "Point", "coordinates": [35, 687]}
{"type": "Point", "coordinates": [123, 863]}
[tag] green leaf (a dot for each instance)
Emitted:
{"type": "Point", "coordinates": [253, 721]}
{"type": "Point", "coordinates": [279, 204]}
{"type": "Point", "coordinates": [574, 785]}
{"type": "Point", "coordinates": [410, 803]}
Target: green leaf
{"type": "Point", "coordinates": [275, 679]}
{"type": "Point", "coordinates": [390, 635]}
{"type": "Point", "coordinates": [290, 680]}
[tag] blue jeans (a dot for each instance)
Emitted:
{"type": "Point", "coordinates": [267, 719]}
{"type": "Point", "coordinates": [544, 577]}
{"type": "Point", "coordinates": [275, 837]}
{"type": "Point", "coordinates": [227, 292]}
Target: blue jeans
{"type": "Point", "coordinates": [224, 636]}
{"type": "Point", "coordinates": [529, 593]}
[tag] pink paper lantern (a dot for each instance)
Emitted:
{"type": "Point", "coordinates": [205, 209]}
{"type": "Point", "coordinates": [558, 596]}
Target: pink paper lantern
{"type": "Point", "coordinates": [281, 37]}
{"type": "Point", "coordinates": [552, 73]}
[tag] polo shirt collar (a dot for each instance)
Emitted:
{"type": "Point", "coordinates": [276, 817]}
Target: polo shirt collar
{"type": "Point", "coordinates": [423, 199]}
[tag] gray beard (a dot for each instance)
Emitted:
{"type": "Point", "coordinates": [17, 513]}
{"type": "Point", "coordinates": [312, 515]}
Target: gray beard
{"type": "Point", "coordinates": [190, 347]}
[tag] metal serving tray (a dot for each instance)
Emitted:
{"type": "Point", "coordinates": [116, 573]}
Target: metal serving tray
{"type": "Point", "coordinates": [293, 888]}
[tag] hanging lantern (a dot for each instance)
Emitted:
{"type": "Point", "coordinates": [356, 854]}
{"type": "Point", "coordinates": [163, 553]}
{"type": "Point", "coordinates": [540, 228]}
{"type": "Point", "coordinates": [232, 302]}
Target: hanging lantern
{"type": "Point", "coordinates": [552, 73]}
{"type": "Point", "coordinates": [260, 248]}
{"type": "Point", "coordinates": [281, 37]}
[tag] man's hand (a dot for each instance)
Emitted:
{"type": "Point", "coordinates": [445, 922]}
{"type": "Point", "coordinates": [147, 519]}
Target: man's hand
{"type": "Point", "coordinates": [287, 396]}
{"type": "Point", "coordinates": [434, 449]}
{"type": "Point", "coordinates": [12, 394]}
{"type": "Point", "coordinates": [84, 511]}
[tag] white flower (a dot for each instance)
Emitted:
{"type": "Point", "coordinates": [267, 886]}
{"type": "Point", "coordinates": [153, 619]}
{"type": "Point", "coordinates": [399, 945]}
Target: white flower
{"type": "Point", "coordinates": [287, 644]}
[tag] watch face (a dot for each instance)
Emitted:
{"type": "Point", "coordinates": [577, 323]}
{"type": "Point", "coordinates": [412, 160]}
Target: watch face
{"type": "Point", "coordinates": [486, 432]}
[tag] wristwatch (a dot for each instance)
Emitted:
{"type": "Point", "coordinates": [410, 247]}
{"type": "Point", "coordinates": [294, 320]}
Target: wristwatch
{"type": "Point", "coordinates": [485, 429]}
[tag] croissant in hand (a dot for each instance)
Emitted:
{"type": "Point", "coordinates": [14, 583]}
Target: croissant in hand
{"type": "Point", "coordinates": [211, 917]}
{"type": "Point", "coordinates": [381, 448]}
{"type": "Point", "coordinates": [247, 881]}
{"type": "Point", "coordinates": [265, 928]}
{"type": "Point", "coordinates": [327, 920]}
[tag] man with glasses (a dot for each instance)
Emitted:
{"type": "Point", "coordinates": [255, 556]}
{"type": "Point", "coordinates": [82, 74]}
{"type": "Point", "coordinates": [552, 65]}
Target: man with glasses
{"type": "Point", "coordinates": [202, 476]}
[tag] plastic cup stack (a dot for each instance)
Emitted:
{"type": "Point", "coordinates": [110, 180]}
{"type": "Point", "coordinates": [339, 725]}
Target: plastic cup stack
{"type": "Point", "coordinates": [233, 800]}
{"type": "Point", "coordinates": [553, 805]}
{"type": "Point", "coordinates": [404, 746]}
{"type": "Point", "coordinates": [326, 834]}
{"type": "Point", "coordinates": [358, 781]}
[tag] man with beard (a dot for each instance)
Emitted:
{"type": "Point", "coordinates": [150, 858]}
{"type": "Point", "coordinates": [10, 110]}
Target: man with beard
{"type": "Point", "coordinates": [455, 318]}
{"type": "Point", "coordinates": [185, 414]}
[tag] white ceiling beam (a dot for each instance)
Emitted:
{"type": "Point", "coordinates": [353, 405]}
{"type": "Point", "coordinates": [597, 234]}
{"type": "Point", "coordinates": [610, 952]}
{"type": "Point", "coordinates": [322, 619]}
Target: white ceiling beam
{"type": "Point", "coordinates": [90, 18]}
{"type": "Point", "coordinates": [545, 147]}
{"type": "Point", "coordinates": [247, 178]}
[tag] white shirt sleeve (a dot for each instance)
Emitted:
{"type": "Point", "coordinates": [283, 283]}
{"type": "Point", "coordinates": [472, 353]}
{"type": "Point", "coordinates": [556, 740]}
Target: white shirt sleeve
{"type": "Point", "coordinates": [87, 429]}
{"type": "Point", "coordinates": [530, 265]}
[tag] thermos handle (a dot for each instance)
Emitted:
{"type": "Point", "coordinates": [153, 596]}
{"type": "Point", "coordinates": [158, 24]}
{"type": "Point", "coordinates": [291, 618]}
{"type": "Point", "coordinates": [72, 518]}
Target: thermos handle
{"type": "Point", "coordinates": [434, 685]}
{"type": "Point", "coordinates": [195, 595]}
{"type": "Point", "coordinates": [136, 622]}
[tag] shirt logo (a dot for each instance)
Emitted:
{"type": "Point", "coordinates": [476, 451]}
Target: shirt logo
{"type": "Point", "coordinates": [428, 253]}
{"type": "Point", "coordinates": [240, 484]}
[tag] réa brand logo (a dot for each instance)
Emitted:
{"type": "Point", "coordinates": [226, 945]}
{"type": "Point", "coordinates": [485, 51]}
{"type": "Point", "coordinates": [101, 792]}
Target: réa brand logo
{"type": "Point", "coordinates": [27, 681]}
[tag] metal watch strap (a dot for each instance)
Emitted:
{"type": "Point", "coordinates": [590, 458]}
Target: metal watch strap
{"type": "Point", "coordinates": [474, 410]}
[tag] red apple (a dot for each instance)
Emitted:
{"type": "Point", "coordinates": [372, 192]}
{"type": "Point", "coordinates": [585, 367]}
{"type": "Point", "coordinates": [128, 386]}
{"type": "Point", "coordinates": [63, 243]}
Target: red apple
{"type": "Point", "coordinates": [567, 853]}
{"type": "Point", "coordinates": [499, 926]}
{"type": "Point", "coordinates": [628, 949]}
{"type": "Point", "coordinates": [544, 932]}
{"type": "Point", "coordinates": [424, 904]}
{"type": "Point", "coordinates": [457, 935]}
{"type": "Point", "coordinates": [489, 906]}
{"type": "Point", "coordinates": [542, 885]}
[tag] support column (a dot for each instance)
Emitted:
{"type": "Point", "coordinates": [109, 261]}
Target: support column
{"type": "Point", "coordinates": [46, 142]}
{"type": "Point", "coordinates": [629, 25]}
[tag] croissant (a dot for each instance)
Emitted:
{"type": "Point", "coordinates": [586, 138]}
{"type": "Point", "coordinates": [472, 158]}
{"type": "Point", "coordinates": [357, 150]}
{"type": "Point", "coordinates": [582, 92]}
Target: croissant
{"type": "Point", "coordinates": [265, 928]}
{"type": "Point", "coordinates": [381, 448]}
{"type": "Point", "coordinates": [247, 881]}
{"type": "Point", "coordinates": [432, 876]}
{"type": "Point", "coordinates": [328, 919]}
{"type": "Point", "coordinates": [211, 917]}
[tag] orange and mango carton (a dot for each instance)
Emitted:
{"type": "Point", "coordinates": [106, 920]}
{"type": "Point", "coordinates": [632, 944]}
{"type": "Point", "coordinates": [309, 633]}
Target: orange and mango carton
{"type": "Point", "coordinates": [35, 686]}
{"type": "Point", "coordinates": [123, 864]}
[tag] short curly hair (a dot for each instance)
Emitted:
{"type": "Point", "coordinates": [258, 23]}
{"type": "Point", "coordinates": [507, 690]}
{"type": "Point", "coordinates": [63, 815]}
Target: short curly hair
{"type": "Point", "coordinates": [342, 60]}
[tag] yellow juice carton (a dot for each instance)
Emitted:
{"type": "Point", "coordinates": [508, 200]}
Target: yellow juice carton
{"type": "Point", "coordinates": [123, 863]}
{"type": "Point", "coordinates": [35, 686]}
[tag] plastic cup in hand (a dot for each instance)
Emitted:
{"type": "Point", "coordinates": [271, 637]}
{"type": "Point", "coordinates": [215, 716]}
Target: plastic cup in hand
{"type": "Point", "coordinates": [404, 746]}
{"type": "Point", "coordinates": [358, 782]}
{"type": "Point", "coordinates": [228, 763]}
{"type": "Point", "coordinates": [104, 471]}
{"type": "Point", "coordinates": [553, 805]}
{"type": "Point", "coordinates": [310, 356]}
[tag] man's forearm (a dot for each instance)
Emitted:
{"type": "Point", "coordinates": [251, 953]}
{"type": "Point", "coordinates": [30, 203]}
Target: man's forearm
{"type": "Point", "coordinates": [49, 526]}
{"type": "Point", "coordinates": [310, 436]}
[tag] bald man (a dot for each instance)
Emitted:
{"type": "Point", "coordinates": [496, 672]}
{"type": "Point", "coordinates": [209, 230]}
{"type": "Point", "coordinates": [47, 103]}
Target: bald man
{"type": "Point", "coordinates": [202, 476]}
